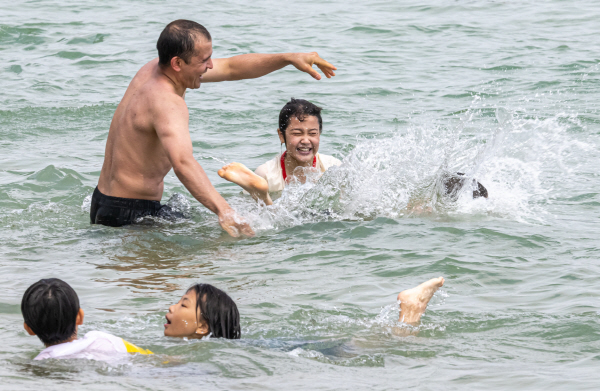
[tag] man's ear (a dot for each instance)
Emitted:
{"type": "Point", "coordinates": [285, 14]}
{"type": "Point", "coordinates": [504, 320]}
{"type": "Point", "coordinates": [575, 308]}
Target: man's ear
{"type": "Point", "coordinates": [28, 329]}
{"type": "Point", "coordinates": [280, 134]}
{"type": "Point", "coordinates": [176, 63]}
{"type": "Point", "coordinates": [79, 319]}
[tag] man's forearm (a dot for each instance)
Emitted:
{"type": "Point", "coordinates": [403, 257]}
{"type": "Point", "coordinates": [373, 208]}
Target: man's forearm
{"type": "Point", "coordinates": [251, 66]}
{"type": "Point", "coordinates": [194, 178]}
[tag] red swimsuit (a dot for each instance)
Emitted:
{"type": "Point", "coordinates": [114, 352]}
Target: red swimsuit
{"type": "Point", "coordinates": [283, 164]}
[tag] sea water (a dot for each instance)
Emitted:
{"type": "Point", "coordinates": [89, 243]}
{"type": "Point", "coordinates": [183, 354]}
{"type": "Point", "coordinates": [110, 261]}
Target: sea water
{"type": "Point", "coordinates": [504, 92]}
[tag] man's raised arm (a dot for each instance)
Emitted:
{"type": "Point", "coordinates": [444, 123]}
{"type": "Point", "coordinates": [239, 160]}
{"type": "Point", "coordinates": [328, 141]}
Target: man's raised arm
{"type": "Point", "coordinates": [171, 125]}
{"type": "Point", "coordinates": [251, 66]}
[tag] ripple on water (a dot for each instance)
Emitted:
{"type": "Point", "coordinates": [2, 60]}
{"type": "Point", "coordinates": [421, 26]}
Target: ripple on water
{"type": "Point", "coordinates": [10, 35]}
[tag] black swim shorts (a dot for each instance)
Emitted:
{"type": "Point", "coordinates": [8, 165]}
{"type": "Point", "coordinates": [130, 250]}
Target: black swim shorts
{"type": "Point", "coordinates": [117, 211]}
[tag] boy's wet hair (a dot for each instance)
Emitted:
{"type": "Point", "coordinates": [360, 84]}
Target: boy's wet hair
{"type": "Point", "coordinates": [453, 184]}
{"type": "Point", "coordinates": [178, 39]}
{"type": "Point", "coordinates": [300, 109]}
{"type": "Point", "coordinates": [218, 310]}
{"type": "Point", "coordinates": [50, 309]}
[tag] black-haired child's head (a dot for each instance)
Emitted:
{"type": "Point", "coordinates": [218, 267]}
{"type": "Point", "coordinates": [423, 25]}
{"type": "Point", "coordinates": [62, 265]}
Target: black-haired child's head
{"type": "Point", "coordinates": [300, 126]}
{"type": "Point", "coordinates": [299, 109]}
{"type": "Point", "coordinates": [454, 183]}
{"type": "Point", "coordinates": [50, 309]}
{"type": "Point", "coordinates": [204, 310]}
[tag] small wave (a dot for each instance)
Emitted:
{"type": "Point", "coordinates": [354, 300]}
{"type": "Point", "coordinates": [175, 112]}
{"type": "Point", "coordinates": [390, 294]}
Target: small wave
{"type": "Point", "coordinates": [503, 68]}
{"type": "Point", "coordinates": [56, 175]}
{"type": "Point", "coordinates": [369, 30]}
{"type": "Point", "coordinates": [15, 69]}
{"type": "Point", "coordinates": [90, 39]}
{"type": "Point", "coordinates": [21, 35]}
{"type": "Point", "coordinates": [74, 55]}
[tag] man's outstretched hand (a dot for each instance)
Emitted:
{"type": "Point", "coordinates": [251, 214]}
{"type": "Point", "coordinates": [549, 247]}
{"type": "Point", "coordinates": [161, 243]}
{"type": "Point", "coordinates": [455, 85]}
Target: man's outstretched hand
{"type": "Point", "coordinates": [305, 61]}
{"type": "Point", "coordinates": [234, 224]}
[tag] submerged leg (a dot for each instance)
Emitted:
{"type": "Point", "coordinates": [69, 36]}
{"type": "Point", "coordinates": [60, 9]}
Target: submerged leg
{"type": "Point", "coordinates": [249, 181]}
{"type": "Point", "coordinates": [413, 302]}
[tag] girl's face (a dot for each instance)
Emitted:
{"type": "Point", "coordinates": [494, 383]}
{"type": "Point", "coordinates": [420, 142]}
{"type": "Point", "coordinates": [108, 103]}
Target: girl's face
{"type": "Point", "coordinates": [302, 139]}
{"type": "Point", "coordinates": [183, 321]}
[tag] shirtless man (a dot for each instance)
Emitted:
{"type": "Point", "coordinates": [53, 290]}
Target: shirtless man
{"type": "Point", "coordinates": [149, 131]}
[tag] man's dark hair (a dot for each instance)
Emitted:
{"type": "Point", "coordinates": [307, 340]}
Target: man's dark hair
{"type": "Point", "coordinates": [50, 308]}
{"type": "Point", "coordinates": [218, 310]}
{"type": "Point", "coordinates": [178, 40]}
{"type": "Point", "coordinates": [300, 109]}
{"type": "Point", "coordinates": [453, 184]}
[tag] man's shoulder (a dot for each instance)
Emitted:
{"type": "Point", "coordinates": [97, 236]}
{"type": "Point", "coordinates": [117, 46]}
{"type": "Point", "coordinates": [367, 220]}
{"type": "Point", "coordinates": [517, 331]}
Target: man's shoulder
{"type": "Point", "coordinates": [162, 104]}
{"type": "Point", "coordinates": [154, 90]}
{"type": "Point", "coordinates": [160, 92]}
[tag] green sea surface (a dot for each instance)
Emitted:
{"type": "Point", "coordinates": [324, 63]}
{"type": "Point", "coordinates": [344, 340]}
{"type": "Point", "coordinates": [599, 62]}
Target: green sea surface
{"type": "Point", "coordinates": [506, 92]}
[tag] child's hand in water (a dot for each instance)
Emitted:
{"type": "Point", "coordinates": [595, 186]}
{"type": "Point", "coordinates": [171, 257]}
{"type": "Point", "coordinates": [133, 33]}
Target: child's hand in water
{"type": "Point", "coordinates": [234, 224]}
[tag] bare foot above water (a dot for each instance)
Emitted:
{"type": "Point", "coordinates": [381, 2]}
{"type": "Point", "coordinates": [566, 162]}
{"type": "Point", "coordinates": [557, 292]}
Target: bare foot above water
{"type": "Point", "coordinates": [413, 302]}
{"type": "Point", "coordinates": [240, 175]}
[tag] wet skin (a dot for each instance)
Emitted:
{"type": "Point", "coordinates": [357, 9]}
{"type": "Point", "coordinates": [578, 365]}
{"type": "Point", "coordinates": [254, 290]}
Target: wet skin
{"type": "Point", "coordinates": [301, 140]}
{"type": "Point", "coordinates": [183, 319]}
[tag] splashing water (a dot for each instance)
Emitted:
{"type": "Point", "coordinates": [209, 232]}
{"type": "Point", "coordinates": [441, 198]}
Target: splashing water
{"type": "Point", "coordinates": [403, 175]}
